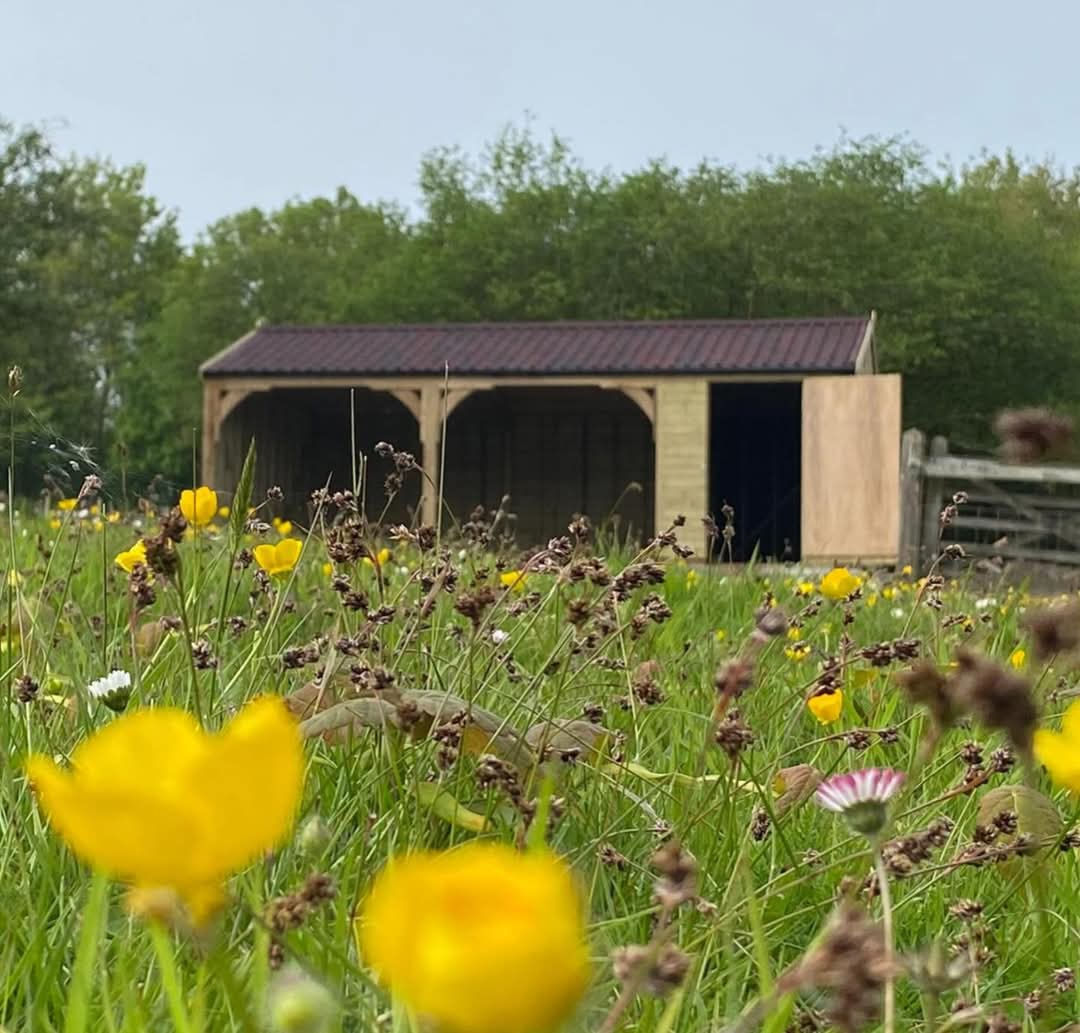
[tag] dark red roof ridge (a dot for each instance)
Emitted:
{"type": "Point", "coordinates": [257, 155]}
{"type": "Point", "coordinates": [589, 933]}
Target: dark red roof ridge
{"type": "Point", "coordinates": [496, 325]}
{"type": "Point", "coordinates": [556, 347]}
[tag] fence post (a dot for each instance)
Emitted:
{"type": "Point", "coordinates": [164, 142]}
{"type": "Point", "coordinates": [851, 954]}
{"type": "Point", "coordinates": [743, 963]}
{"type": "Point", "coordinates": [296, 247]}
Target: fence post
{"type": "Point", "coordinates": [933, 493]}
{"type": "Point", "coordinates": [912, 453]}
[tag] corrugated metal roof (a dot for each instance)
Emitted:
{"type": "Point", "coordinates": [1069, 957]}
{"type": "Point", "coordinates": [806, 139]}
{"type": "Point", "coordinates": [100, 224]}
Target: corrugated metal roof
{"type": "Point", "coordinates": [670, 347]}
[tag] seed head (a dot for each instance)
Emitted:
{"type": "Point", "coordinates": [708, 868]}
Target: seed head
{"type": "Point", "coordinates": [997, 698]}
{"type": "Point", "coordinates": [1028, 435]}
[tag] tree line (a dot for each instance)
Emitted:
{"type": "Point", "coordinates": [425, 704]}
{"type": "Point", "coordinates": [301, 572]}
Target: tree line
{"type": "Point", "coordinates": [974, 271]}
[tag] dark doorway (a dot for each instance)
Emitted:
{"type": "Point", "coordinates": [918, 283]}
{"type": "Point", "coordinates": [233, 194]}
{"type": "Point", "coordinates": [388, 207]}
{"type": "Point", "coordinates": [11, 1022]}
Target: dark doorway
{"type": "Point", "coordinates": [303, 437]}
{"type": "Point", "coordinates": [555, 452]}
{"type": "Point", "coordinates": [755, 447]}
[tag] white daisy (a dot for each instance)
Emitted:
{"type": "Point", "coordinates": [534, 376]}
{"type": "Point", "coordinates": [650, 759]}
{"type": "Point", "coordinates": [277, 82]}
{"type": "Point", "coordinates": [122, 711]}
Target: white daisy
{"type": "Point", "coordinates": [861, 796]}
{"type": "Point", "coordinates": [113, 690]}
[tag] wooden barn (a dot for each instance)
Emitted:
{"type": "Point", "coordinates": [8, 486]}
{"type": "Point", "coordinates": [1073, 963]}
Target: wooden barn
{"type": "Point", "coordinates": [631, 422]}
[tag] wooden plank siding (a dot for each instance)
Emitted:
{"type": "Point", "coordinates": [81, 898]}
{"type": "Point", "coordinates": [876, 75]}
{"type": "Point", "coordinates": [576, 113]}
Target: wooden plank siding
{"type": "Point", "coordinates": [851, 469]}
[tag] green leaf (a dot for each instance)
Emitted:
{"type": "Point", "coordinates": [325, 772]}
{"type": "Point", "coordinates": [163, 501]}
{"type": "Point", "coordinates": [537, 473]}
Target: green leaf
{"type": "Point", "coordinates": [445, 805]}
{"type": "Point", "coordinates": [1036, 816]}
{"type": "Point", "coordinates": [242, 496]}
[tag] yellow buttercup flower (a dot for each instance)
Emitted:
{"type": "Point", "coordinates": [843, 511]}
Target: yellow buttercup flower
{"type": "Point", "coordinates": [131, 558]}
{"type": "Point", "coordinates": [826, 706]}
{"type": "Point", "coordinates": [839, 583]}
{"type": "Point", "coordinates": [721, 634]}
{"type": "Point", "coordinates": [514, 580]}
{"type": "Point", "coordinates": [114, 516]}
{"type": "Point", "coordinates": [55, 524]}
{"type": "Point", "coordinates": [1059, 752]}
{"type": "Point", "coordinates": [794, 633]}
{"type": "Point", "coordinates": [872, 599]}
{"type": "Point", "coordinates": [153, 800]}
{"type": "Point", "coordinates": [283, 527]}
{"type": "Point", "coordinates": [691, 578]}
{"type": "Point", "coordinates": [1018, 658]}
{"type": "Point", "coordinates": [888, 592]}
{"type": "Point", "coordinates": [67, 505]}
{"type": "Point", "coordinates": [327, 569]}
{"type": "Point", "coordinates": [199, 506]}
{"type": "Point", "coordinates": [804, 588]}
{"type": "Point", "coordinates": [482, 939]}
{"type": "Point", "coordinates": [223, 512]}
{"type": "Point", "coordinates": [382, 557]}
{"type": "Point", "coordinates": [798, 652]}
{"type": "Point", "coordinates": [279, 559]}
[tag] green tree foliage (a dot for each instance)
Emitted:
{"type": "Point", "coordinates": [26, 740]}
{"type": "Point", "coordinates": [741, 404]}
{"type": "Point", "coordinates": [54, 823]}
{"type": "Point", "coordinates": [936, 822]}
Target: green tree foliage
{"type": "Point", "coordinates": [973, 271]}
{"type": "Point", "coordinates": [85, 255]}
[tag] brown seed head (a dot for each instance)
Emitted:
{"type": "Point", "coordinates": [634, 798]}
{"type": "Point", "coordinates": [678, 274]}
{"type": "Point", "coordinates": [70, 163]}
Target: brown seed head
{"type": "Point", "coordinates": [924, 685]}
{"type": "Point", "coordinates": [1028, 435]}
{"type": "Point", "coordinates": [851, 964]}
{"type": "Point", "coordinates": [997, 698]}
{"type": "Point", "coordinates": [665, 972]}
{"type": "Point", "coordinates": [1054, 630]}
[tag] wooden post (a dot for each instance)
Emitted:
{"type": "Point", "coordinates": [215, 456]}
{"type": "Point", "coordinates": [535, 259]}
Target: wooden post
{"type": "Point", "coordinates": [912, 453]}
{"type": "Point", "coordinates": [682, 457]}
{"type": "Point", "coordinates": [430, 450]}
{"type": "Point", "coordinates": [933, 502]}
{"type": "Point", "coordinates": [210, 431]}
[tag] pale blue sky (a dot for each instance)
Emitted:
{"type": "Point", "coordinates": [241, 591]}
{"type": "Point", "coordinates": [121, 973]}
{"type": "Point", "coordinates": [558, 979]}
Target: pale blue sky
{"type": "Point", "coordinates": [237, 102]}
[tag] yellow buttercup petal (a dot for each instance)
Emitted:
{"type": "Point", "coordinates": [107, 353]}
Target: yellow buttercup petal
{"type": "Point", "coordinates": [482, 939]}
{"type": "Point", "coordinates": [288, 552]}
{"type": "Point", "coordinates": [514, 580]}
{"type": "Point", "coordinates": [131, 558]}
{"type": "Point", "coordinates": [826, 706]}
{"type": "Point", "coordinates": [137, 834]}
{"type": "Point", "coordinates": [839, 583]}
{"type": "Point", "coordinates": [279, 558]}
{"type": "Point", "coordinates": [152, 746]}
{"type": "Point", "coordinates": [199, 506]}
{"type": "Point", "coordinates": [266, 556]}
{"type": "Point", "coordinates": [254, 773]}
{"type": "Point", "coordinates": [155, 801]}
{"type": "Point", "coordinates": [1060, 756]}
{"type": "Point", "coordinates": [1070, 723]}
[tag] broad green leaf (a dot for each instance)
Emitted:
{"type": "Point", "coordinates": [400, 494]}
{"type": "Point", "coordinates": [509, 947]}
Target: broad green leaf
{"type": "Point", "coordinates": [445, 805]}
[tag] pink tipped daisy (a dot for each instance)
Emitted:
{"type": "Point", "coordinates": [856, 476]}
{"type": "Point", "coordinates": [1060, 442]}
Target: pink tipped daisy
{"type": "Point", "coordinates": [861, 796]}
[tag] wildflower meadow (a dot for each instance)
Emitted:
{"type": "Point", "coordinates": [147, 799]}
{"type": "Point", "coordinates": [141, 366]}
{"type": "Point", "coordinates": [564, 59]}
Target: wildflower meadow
{"type": "Point", "coordinates": [285, 768]}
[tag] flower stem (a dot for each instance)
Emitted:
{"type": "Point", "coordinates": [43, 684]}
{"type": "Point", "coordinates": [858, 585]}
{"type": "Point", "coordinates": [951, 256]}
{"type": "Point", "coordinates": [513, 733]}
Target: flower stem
{"type": "Point", "coordinates": [887, 924]}
{"type": "Point", "coordinates": [234, 992]}
{"type": "Point", "coordinates": [77, 1018]}
{"type": "Point", "coordinates": [186, 624]}
{"type": "Point", "coordinates": [637, 979]}
{"type": "Point", "coordinates": [930, 1008]}
{"type": "Point", "coordinates": [170, 979]}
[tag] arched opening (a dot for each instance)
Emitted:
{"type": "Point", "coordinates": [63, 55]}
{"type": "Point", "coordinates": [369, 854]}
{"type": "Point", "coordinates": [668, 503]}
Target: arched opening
{"type": "Point", "coordinates": [304, 440]}
{"type": "Point", "coordinates": [555, 451]}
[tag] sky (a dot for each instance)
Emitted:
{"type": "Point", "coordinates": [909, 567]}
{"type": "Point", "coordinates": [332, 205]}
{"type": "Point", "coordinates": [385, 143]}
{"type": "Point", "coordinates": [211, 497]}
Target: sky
{"type": "Point", "coordinates": [234, 103]}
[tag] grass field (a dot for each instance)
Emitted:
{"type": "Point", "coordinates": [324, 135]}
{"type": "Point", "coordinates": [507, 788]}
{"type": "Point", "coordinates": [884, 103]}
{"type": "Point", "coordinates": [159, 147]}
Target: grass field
{"type": "Point", "coordinates": [447, 630]}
